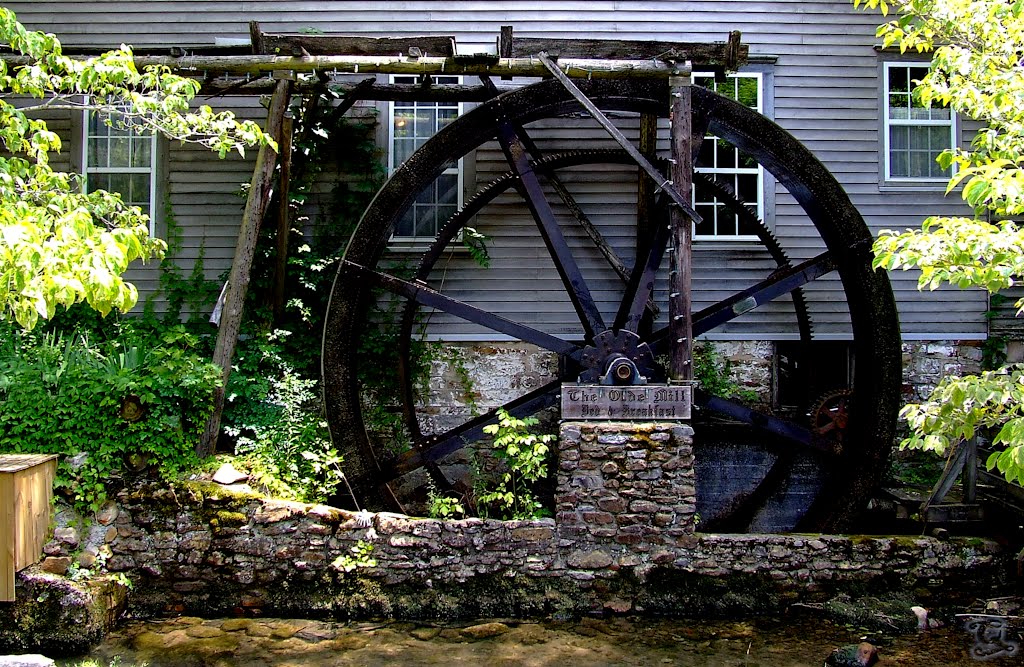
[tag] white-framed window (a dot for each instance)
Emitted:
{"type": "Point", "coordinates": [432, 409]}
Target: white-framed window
{"type": "Point", "coordinates": [122, 160]}
{"type": "Point", "coordinates": [914, 135]}
{"type": "Point", "coordinates": [728, 164]}
{"type": "Point", "coordinates": [410, 125]}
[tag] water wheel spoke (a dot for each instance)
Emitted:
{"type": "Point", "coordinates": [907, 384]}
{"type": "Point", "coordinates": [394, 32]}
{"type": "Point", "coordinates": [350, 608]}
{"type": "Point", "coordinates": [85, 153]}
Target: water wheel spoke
{"type": "Point", "coordinates": [432, 449]}
{"type": "Point", "coordinates": [768, 423]}
{"type": "Point", "coordinates": [532, 192]}
{"type": "Point", "coordinates": [779, 283]}
{"type": "Point", "coordinates": [638, 291]}
{"type": "Point", "coordinates": [432, 298]}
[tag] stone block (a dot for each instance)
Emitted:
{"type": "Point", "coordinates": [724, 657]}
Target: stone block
{"type": "Point", "coordinates": [590, 559]}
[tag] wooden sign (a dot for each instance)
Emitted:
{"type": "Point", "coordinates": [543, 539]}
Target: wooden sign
{"type": "Point", "coordinates": [632, 403]}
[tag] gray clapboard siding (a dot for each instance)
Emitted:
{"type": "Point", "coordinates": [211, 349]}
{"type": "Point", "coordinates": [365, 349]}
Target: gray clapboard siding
{"type": "Point", "coordinates": [825, 90]}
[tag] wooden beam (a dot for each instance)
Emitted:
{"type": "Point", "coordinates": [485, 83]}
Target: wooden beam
{"type": "Point", "coordinates": [284, 219]}
{"type": "Point", "coordinates": [390, 92]}
{"type": "Point", "coordinates": [728, 55]}
{"type": "Point", "coordinates": [645, 204]}
{"type": "Point", "coordinates": [645, 185]}
{"type": "Point", "coordinates": [355, 45]}
{"type": "Point", "coordinates": [680, 262]}
{"type": "Point", "coordinates": [238, 279]}
{"type": "Point", "coordinates": [580, 68]}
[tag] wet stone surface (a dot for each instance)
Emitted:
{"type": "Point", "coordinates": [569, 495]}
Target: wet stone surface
{"type": "Point", "coordinates": [188, 641]}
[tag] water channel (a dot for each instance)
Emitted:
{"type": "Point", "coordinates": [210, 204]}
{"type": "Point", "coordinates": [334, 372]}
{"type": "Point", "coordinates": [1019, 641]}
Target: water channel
{"type": "Point", "coordinates": [800, 642]}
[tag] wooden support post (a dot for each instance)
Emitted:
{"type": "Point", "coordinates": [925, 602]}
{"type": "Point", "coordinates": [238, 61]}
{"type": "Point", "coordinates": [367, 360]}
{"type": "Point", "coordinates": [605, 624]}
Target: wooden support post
{"type": "Point", "coordinates": [680, 265]}
{"type": "Point", "coordinates": [646, 185]}
{"type": "Point", "coordinates": [970, 478]}
{"type": "Point", "coordinates": [645, 202]}
{"type": "Point", "coordinates": [284, 222]}
{"type": "Point", "coordinates": [238, 279]}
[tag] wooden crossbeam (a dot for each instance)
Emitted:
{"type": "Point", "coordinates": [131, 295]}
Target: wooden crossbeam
{"type": "Point", "coordinates": [727, 55]}
{"type": "Point", "coordinates": [290, 44]}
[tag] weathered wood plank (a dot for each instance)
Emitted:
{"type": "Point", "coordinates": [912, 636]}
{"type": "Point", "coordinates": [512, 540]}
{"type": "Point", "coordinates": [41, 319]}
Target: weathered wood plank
{"type": "Point", "coordinates": [356, 45]}
{"type": "Point", "coordinates": [728, 55]}
{"type": "Point", "coordinates": [680, 309]}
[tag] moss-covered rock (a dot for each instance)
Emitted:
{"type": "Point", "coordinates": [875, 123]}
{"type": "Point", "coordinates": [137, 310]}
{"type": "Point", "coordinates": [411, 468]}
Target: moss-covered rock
{"type": "Point", "coordinates": [57, 616]}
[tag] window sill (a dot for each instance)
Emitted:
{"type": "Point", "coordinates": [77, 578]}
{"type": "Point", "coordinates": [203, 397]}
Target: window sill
{"type": "Point", "coordinates": [420, 246]}
{"type": "Point", "coordinates": [912, 186]}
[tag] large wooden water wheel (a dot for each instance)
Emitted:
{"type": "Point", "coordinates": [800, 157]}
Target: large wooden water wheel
{"type": "Point", "coordinates": [843, 471]}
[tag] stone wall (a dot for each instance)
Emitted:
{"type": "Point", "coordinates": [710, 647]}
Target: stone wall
{"type": "Point", "coordinates": [623, 539]}
{"type": "Point", "coordinates": [201, 549]}
{"type": "Point", "coordinates": [925, 363]}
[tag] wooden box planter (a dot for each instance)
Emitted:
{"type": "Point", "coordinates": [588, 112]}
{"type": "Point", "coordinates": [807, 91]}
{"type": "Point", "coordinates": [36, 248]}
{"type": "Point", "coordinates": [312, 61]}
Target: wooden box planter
{"type": "Point", "coordinates": [26, 491]}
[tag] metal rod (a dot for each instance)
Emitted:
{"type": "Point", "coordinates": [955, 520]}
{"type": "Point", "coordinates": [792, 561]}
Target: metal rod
{"type": "Point", "coordinates": [645, 164]}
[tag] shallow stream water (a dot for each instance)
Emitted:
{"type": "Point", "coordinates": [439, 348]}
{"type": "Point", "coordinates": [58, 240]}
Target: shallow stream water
{"type": "Point", "coordinates": [803, 642]}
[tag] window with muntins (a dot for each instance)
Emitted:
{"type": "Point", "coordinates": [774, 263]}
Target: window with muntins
{"type": "Point", "coordinates": [411, 124]}
{"type": "Point", "coordinates": [914, 134]}
{"type": "Point", "coordinates": [726, 163]}
{"type": "Point", "coordinates": [121, 159]}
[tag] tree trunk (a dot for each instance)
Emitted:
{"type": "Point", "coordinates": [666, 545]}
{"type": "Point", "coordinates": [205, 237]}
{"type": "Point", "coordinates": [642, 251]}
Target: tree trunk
{"type": "Point", "coordinates": [238, 279]}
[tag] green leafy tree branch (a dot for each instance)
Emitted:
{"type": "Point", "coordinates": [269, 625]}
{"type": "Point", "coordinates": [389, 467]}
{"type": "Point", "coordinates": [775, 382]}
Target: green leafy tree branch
{"type": "Point", "coordinates": [977, 70]}
{"type": "Point", "coordinates": [58, 244]}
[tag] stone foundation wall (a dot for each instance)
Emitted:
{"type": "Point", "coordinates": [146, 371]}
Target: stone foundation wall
{"type": "Point", "coordinates": [751, 365]}
{"type": "Point", "coordinates": [500, 371]}
{"type": "Point", "coordinates": [925, 363]}
{"type": "Point", "coordinates": [481, 376]}
{"type": "Point", "coordinates": [201, 549]}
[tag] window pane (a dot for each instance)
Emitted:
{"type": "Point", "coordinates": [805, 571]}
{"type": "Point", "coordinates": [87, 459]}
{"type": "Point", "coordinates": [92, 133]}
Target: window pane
{"type": "Point", "coordinates": [899, 137]}
{"type": "Point", "coordinates": [121, 184]}
{"type": "Point", "coordinates": [448, 189]}
{"type": "Point", "coordinates": [898, 164]}
{"type": "Point", "coordinates": [97, 153]}
{"type": "Point", "coordinates": [725, 154]}
{"type": "Point", "coordinates": [98, 182]}
{"type": "Point", "coordinates": [406, 224]}
{"type": "Point", "coordinates": [404, 122]}
{"type": "Point", "coordinates": [403, 149]}
{"type": "Point", "coordinates": [747, 91]}
{"type": "Point", "coordinates": [426, 122]}
{"type": "Point", "coordinates": [139, 189]}
{"type": "Point", "coordinates": [747, 187]}
{"type": "Point", "coordinates": [426, 224]}
{"type": "Point", "coordinates": [445, 116]}
{"type": "Point", "coordinates": [707, 225]}
{"type": "Point", "coordinates": [706, 156]}
{"type": "Point", "coordinates": [120, 148]}
{"type": "Point", "coordinates": [142, 153]}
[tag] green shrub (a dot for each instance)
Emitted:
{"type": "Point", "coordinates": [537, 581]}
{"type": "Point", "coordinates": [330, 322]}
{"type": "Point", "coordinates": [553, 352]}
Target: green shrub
{"type": "Point", "coordinates": [276, 418]}
{"type": "Point", "coordinates": [136, 397]}
{"type": "Point", "coordinates": [525, 455]}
